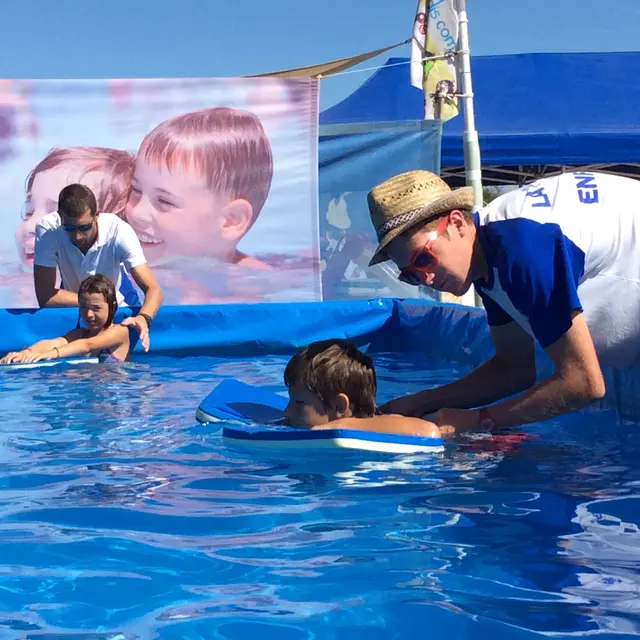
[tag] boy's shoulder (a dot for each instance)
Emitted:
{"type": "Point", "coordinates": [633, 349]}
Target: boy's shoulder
{"type": "Point", "coordinates": [391, 423]}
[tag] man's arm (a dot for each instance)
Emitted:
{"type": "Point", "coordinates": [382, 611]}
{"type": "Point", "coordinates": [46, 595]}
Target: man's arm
{"type": "Point", "coordinates": [153, 296]}
{"type": "Point", "coordinates": [576, 382]}
{"type": "Point", "coordinates": [145, 279]}
{"type": "Point", "coordinates": [44, 279]}
{"type": "Point", "coordinates": [133, 258]}
{"type": "Point", "coordinates": [45, 271]}
{"type": "Point", "coordinates": [511, 370]}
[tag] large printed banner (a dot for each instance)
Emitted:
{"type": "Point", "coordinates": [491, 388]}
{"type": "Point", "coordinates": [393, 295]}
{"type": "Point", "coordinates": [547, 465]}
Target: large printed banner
{"type": "Point", "coordinates": [170, 156]}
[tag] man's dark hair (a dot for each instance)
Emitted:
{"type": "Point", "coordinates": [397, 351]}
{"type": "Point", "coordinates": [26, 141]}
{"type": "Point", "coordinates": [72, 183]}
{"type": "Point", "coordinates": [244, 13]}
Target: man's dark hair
{"type": "Point", "coordinates": [75, 199]}
{"type": "Point", "coordinates": [330, 367]}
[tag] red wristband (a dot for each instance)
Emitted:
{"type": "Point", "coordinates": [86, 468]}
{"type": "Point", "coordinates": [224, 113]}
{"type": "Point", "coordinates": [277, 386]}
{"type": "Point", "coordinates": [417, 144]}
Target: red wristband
{"type": "Point", "coordinates": [485, 420]}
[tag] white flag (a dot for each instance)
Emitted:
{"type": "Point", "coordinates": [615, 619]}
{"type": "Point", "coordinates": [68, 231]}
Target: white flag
{"type": "Point", "coordinates": [435, 32]}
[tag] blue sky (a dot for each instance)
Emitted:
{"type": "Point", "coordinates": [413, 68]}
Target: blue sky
{"type": "Point", "coordinates": [165, 38]}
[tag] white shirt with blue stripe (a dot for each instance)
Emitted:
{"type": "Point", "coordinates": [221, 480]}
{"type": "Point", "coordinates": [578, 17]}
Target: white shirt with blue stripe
{"type": "Point", "coordinates": [566, 243]}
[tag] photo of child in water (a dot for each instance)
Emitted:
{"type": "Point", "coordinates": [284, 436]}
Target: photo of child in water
{"type": "Point", "coordinates": [107, 172]}
{"type": "Point", "coordinates": [221, 189]}
{"type": "Point", "coordinates": [201, 180]}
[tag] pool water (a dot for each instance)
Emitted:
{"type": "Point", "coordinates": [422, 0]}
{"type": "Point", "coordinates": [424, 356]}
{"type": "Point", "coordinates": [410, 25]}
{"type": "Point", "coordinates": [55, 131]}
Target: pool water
{"type": "Point", "coordinates": [121, 518]}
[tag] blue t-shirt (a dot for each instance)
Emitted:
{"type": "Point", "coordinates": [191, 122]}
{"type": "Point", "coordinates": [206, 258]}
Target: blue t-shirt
{"type": "Point", "coordinates": [566, 243]}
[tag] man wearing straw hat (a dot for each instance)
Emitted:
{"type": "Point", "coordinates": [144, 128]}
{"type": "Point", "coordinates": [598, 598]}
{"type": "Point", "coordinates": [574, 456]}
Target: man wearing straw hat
{"type": "Point", "coordinates": [557, 261]}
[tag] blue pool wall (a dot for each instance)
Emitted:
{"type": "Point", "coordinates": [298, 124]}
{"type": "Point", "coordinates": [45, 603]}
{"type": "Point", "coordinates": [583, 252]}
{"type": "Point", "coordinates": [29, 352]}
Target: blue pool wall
{"type": "Point", "coordinates": [450, 332]}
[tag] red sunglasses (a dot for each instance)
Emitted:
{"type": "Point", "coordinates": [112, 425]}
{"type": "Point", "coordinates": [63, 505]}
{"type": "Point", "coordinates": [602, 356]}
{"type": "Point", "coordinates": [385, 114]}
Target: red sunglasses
{"type": "Point", "coordinates": [423, 261]}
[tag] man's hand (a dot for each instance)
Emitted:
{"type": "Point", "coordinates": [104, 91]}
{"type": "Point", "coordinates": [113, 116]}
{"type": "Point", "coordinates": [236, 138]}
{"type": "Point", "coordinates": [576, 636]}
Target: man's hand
{"type": "Point", "coordinates": [409, 406]}
{"type": "Point", "coordinates": [451, 422]}
{"type": "Point", "coordinates": [141, 326]}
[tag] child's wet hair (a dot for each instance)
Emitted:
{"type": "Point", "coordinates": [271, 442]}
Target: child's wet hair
{"type": "Point", "coordinates": [330, 367]}
{"type": "Point", "coordinates": [228, 147]}
{"type": "Point", "coordinates": [102, 285]}
{"type": "Point", "coordinates": [116, 168]}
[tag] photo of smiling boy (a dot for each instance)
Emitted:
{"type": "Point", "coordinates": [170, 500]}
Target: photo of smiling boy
{"type": "Point", "coordinates": [201, 180]}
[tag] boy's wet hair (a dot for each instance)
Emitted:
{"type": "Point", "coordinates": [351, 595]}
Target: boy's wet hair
{"type": "Point", "coordinates": [330, 367]}
{"type": "Point", "coordinates": [101, 284]}
{"type": "Point", "coordinates": [228, 147]}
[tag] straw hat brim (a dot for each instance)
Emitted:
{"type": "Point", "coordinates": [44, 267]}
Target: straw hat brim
{"type": "Point", "coordinates": [458, 199]}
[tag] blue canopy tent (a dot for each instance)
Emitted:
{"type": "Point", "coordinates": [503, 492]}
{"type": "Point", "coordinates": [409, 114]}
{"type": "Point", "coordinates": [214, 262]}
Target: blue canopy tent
{"type": "Point", "coordinates": [537, 114]}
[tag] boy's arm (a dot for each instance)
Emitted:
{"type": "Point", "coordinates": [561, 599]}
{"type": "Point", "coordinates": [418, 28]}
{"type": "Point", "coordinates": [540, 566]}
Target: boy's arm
{"type": "Point", "coordinates": [398, 425]}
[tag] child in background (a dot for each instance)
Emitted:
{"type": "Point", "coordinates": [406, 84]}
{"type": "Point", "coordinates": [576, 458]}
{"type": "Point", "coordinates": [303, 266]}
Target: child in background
{"type": "Point", "coordinates": [107, 172]}
{"type": "Point", "coordinates": [332, 385]}
{"type": "Point", "coordinates": [201, 179]}
{"type": "Point", "coordinates": [109, 342]}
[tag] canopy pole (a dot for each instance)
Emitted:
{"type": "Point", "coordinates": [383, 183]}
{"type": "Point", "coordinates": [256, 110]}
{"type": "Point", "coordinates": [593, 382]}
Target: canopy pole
{"type": "Point", "coordinates": [472, 162]}
{"type": "Point", "coordinates": [473, 167]}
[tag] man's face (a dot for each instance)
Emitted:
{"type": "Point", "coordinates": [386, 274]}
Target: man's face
{"type": "Point", "coordinates": [82, 231]}
{"type": "Point", "coordinates": [442, 260]}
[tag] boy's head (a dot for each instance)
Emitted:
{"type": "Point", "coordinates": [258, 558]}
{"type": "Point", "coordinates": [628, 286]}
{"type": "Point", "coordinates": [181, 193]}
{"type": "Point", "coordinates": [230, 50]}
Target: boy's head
{"type": "Point", "coordinates": [107, 172]}
{"type": "Point", "coordinates": [329, 380]}
{"type": "Point", "coordinates": [200, 182]}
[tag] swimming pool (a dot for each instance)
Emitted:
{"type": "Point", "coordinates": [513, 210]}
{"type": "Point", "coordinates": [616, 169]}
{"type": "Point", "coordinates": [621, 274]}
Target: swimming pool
{"type": "Point", "coordinates": [120, 518]}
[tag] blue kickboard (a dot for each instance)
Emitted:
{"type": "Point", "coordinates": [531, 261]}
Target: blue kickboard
{"type": "Point", "coordinates": [47, 363]}
{"type": "Point", "coordinates": [240, 402]}
{"type": "Point", "coordinates": [344, 438]}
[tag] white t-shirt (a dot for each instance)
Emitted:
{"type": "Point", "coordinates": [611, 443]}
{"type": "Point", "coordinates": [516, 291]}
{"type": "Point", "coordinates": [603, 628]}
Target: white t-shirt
{"type": "Point", "coordinates": [565, 243]}
{"type": "Point", "coordinates": [116, 245]}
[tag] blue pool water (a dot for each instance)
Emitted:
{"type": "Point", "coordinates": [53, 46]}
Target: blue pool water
{"type": "Point", "coordinates": [120, 519]}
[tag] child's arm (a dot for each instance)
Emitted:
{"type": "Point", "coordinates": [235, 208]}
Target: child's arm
{"type": "Point", "coordinates": [399, 425]}
{"type": "Point", "coordinates": [36, 350]}
{"type": "Point", "coordinates": [42, 346]}
{"type": "Point", "coordinates": [111, 338]}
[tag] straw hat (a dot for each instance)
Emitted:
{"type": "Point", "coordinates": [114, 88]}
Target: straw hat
{"type": "Point", "coordinates": [407, 199]}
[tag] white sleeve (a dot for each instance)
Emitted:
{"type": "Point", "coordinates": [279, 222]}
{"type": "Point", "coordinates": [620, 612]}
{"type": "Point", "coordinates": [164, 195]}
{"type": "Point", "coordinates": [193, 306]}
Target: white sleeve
{"type": "Point", "coordinates": [46, 251]}
{"type": "Point", "coordinates": [130, 249]}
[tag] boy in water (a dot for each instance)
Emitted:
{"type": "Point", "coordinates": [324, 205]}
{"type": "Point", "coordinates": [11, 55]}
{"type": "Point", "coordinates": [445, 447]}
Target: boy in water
{"type": "Point", "coordinates": [332, 385]}
{"type": "Point", "coordinates": [200, 181]}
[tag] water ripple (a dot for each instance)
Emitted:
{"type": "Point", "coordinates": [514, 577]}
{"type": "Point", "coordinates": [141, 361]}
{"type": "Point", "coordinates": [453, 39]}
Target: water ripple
{"type": "Point", "coordinates": [121, 519]}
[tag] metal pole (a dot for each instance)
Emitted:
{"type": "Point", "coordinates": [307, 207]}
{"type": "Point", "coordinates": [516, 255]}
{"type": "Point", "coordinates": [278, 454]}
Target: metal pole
{"type": "Point", "coordinates": [472, 162]}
